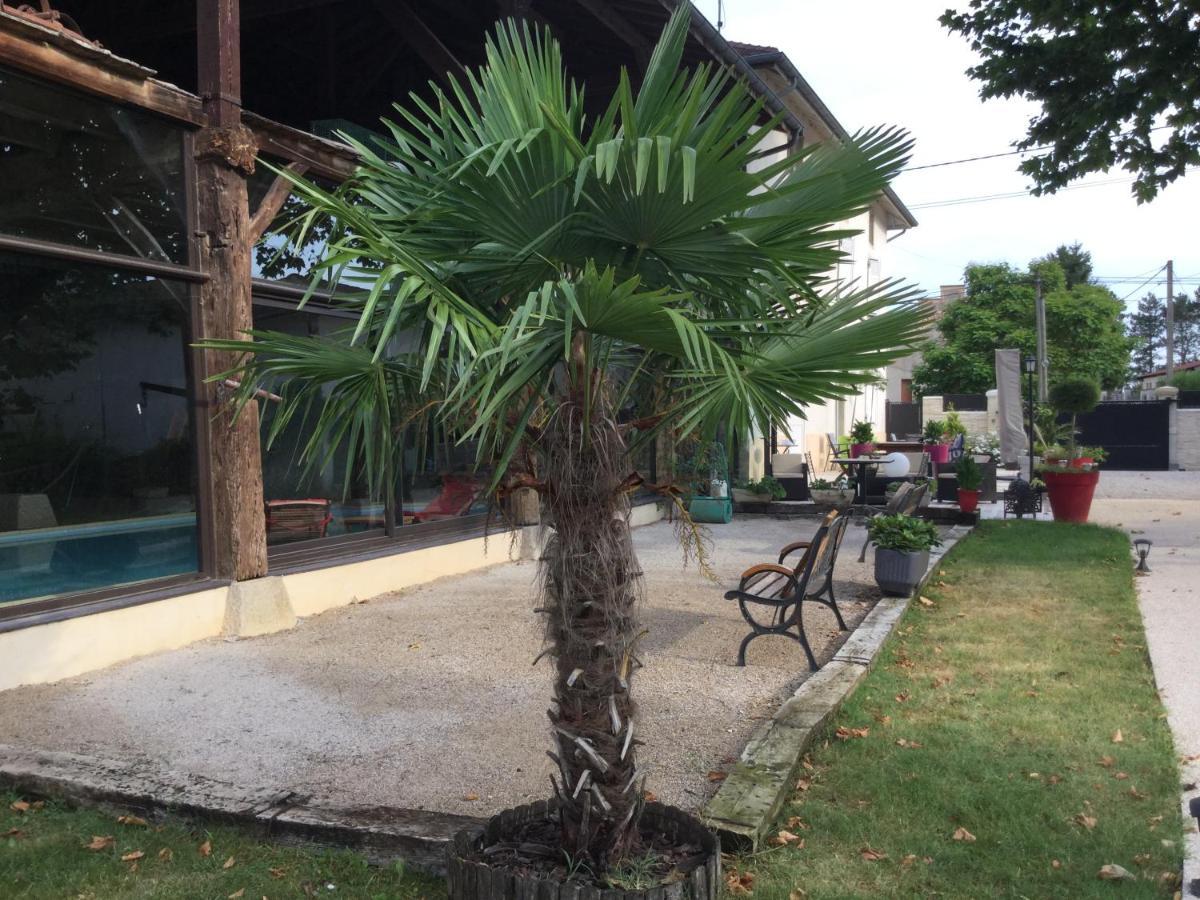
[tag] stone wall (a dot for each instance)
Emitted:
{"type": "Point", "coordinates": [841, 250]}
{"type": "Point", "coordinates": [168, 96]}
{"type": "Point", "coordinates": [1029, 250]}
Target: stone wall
{"type": "Point", "coordinates": [1187, 439]}
{"type": "Point", "coordinates": [976, 422]}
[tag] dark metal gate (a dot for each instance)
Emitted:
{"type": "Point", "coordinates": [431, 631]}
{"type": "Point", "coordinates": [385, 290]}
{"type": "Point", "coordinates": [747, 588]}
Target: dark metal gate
{"type": "Point", "coordinates": [1136, 433]}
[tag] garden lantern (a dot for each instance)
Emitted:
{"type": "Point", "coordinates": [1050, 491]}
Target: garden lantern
{"type": "Point", "coordinates": [1142, 547]}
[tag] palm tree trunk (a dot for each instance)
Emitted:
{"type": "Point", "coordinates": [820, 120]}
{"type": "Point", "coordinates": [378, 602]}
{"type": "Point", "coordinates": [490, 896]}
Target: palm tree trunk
{"type": "Point", "coordinates": [591, 583]}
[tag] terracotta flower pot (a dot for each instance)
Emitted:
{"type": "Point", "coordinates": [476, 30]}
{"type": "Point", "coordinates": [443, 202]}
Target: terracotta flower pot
{"type": "Point", "coordinates": [968, 501]}
{"type": "Point", "coordinates": [857, 450]}
{"type": "Point", "coordinates": [1070, 494]}
{"type": "Point", "coordinates": [938, 453]}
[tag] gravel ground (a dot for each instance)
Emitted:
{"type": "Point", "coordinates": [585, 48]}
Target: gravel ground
{"type": "Point", "coordinates": [426, 697]}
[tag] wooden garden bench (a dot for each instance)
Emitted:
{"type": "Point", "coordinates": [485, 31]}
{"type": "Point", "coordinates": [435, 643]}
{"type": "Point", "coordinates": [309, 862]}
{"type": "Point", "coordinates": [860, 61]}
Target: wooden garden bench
{"type": "Point", "coordinates": [784, 591]}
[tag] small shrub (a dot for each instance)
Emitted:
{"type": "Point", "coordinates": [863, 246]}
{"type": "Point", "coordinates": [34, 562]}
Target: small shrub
{"type": "Point", "coordinates": [1187, 381]}
{"type": "Point", "coordinates": [968, 472]}
{"type": "Point", "coordinates": [903, 533]}
{"type": "Point", "coordinates": [954, 425]}
{"type": "Point", "coordinates": [934, 432]}
{"type": "Point", "coordinates": [862, 433]}
{"type": "Point", "coordinates": [1075, 395]}
{"type": "Point", "coordinates": [764, 485]}
{"type": "Point", "coordinates": [823, 484]}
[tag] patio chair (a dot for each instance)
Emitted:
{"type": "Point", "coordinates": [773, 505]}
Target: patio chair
{"type": "Point", "coordinates": [783, 591]}
{"type": "Point", "coordinates": [896, 504]}
{"type": "Point", "coordinates": [298, 519]}
{"type": "Point", "coordinates": [956, 448]}
{"type": "Point", "coordinates": [453, 500]}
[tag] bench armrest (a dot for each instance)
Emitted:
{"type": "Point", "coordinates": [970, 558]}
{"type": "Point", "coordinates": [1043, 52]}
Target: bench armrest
{"type": "Point", "coordinates": [792, 548]}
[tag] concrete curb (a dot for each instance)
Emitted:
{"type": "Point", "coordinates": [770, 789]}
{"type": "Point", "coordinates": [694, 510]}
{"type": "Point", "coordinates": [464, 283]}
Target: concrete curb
{"type": "Point", "coordinates": [750, 798]}
{"type": "Point", "coordinates": [382, 834]}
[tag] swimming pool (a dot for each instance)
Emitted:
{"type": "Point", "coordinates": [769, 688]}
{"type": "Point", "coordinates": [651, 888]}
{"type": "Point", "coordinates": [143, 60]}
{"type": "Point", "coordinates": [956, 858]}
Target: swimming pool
{"type": "Point", "coordinates": [65, 559]}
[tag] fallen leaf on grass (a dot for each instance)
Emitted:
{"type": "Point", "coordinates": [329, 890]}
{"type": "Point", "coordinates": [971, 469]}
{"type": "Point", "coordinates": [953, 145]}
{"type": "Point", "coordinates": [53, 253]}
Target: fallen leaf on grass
{"type": "Point", "coordinates": [1113, 872]}
{"type": "Point", "coordinates": [1055, 864]}
{"type": "Point", "coordinates": [925, 601]}
{"type": "Point", "coordinates": [1136, 794]}
{"type": "Point", "coordinates": [1120, 776]}
{"type": "Point", "coordinates": [908, 745]}
{"type": "Point", "coordinates": [717, 776]}
{"type": "Point", "coordinates": [900, 698]}
{"type": "Point", "coordinates": [1106, 761]}
{"type": "Point", "coordinates": [795, 822]}
{"type": "Point", "coordinates": [276, 872]}
{"type": "Point", "coordinates": [19, 806]}
{"type": "Point", "coordinates": [908, 860]}
{"type": "Point", "coordinates": [843, 733]}
{"type": "Point", "coordinates": [100, 842]}
{"type": "Point", "coordinates": [882, 719]}
{"type": "Point", "coordinates": [130, 820]}
{"type": "Point", "coordinates": [961, 834]}
{"type": "Point", "coordinates": [739, 882]}
{"type": "Point", "coordinates": [1141, 859]}
{"type": "Point", "coordinates": [871, 855]}
{"type": "Point", "coordinates": [240, 892]}
{"type": "Point", "coordinates": [803, 784]}
{"type": "Point", "coordinates": [134, 855]}
{"type": "Point", "coordinates": [1117, 737]}
{"type": "Point", "coordinates": [205, 849]}
{"type": "Point", "coordinates": [229, 863]}
{"type": "Point", "coordinates": [14, 832]}
{"type": "Point", "coordinates": [797, 894]}
{"type": "Point", "coordinates": [166, 854]}
{"type": "Point", "coordinates": [1088, 822]}
{"type": "Point", "coordinates": [784, 838]}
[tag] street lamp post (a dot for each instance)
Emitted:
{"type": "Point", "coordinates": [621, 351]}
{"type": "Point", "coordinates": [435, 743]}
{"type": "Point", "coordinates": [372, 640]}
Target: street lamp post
{"type": "Point", "coordinates": [1031, 367]}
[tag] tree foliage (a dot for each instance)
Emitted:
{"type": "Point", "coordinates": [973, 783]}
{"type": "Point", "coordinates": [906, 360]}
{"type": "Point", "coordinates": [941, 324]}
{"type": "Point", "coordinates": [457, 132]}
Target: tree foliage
{"type": "Point", "coordinates": [1118, 82]}
{"type": "Point", "coordinates": [521, 271]}
{"type": "Point", "coordinates": [1085, 336]}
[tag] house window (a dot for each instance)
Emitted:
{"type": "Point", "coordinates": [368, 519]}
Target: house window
{"type": "Point", "coordinates": [97, 474]}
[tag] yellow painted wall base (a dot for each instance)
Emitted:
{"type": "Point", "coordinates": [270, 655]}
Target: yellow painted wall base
{"type": "Point", "coordinates": [46, 653]}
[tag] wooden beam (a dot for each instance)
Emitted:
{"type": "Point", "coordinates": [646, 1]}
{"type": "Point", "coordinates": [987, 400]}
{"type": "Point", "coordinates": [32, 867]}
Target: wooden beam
{"type": "Point", "coordinates": [320, 155]}
{"type": "Point", "coordinates": [618, 25]}
{"type": "Point", "coordinates": [272, 202]}
{"type": "Point", "coordinates": [405, 21]}
{"type": "Point", "coordinates": [94, 72]}
{"type": "Point", "coordinates": [219, 60]}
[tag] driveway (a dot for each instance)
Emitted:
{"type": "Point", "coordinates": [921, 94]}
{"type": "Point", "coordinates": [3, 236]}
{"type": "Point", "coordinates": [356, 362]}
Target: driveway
{"type": "Point", "coordinates": [1165, 507]}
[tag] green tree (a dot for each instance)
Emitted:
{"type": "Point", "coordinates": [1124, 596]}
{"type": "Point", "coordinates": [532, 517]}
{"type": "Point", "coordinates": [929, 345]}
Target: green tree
{"type": "Point", "coordinates": [1118, 82]}
{"type": "Point", "coordinates": [1076, 263]}
{"type": "Point", "coordinates": [1187, 327]}
{"type": "Point", "coordinates": [1084, 332]}
{"type": "Point", "coordinates": [544, 267]}
{"type": "Point", "coordinates": [1147, 329]}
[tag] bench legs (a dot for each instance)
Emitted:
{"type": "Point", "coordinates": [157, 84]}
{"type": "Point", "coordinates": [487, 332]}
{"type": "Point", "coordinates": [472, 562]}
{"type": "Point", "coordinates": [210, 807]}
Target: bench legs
{"type": "Point", "coordinates": [830, 601]}
{"type": "Point", "coordinates": [782, 629]}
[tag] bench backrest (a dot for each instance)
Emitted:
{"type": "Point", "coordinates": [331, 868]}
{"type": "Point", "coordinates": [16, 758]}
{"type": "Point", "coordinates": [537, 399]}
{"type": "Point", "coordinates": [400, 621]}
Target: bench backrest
{"type": "Point", "coordinates": [825, 554]}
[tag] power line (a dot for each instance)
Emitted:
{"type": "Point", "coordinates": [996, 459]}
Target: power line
{"type": "Point", "coordinates": [1011, 195]}
{"type": "Point", "coordinates": [1143, 284]}
{"type": "Point", "coordinates": [956, 162]}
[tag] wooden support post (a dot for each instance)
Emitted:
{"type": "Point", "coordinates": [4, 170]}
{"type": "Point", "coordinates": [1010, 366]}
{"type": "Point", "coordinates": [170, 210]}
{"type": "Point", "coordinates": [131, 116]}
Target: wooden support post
{"type": "Point", "coordinates": [225, 151]}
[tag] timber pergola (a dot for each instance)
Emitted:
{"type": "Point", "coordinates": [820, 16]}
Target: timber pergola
{"type": "Point", "coordinates": [278, 78]}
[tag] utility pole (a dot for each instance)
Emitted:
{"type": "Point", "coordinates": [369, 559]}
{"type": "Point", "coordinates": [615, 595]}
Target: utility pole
{"type": "Point", "coordinates": [1170, 320]}
{"type": "Point", "coordinates": [1042, 361]}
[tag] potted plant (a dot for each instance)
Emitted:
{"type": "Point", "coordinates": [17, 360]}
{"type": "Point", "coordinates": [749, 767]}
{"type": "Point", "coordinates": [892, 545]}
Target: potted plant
{"type": "Point", "coordinates": [970, 477]}
{"type": "Point", "coordinates": [936, 445]}
{"type": "Point", "coordinates": [862, 439]}
{"type": "Point", "coordinates": [764, 490]}
{"type": "Point", "coordinates": [1072, 483]}
{"type": "Point", "coordinates": [902, 545]}
{"type": "Point", "coordinates": [537, 348]}
{"type": "Point", "coordinates": [838, 492]}
{"type": "Point", "coordinates": [1088, 456]}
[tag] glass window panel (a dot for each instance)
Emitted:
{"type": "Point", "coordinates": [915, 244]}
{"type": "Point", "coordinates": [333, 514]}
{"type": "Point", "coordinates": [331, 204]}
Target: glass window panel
{"type": "Point", "coordinates": [81, 171]}
{"type": "Point", "coordinates": [97, 475]}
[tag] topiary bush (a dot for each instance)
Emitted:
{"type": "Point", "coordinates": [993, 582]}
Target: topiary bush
{"type": "Point", "coordinates": [1075, 396]}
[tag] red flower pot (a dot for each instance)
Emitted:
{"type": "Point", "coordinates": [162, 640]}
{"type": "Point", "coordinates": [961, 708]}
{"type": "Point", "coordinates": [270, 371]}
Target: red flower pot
{"type": "Point", "coordinates": [968, 501]}
{"type": "Point", "coordinates": [1070, 494]}
{"type": "Point", "coordinates": [938, 453]}
{"type": "Point", "coordinates": [1080, 461]}
{"type": "Point", "coordinates": [857, 450]}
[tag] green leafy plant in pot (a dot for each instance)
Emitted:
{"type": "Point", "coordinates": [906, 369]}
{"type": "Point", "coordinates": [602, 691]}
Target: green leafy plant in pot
{"type": "Point", "coordinates": [837, 493]}
{"type": "Point", "coordinates": [902, 545]}
{"type": "Point", "coordinates": [764, 490]}
{"type": "Point", "coordinates": [862, 439]}
{"type": "Point", "coordinates": [970, 477]}
{"type": "Point", "coordinates": [934, 437]}
{"type": "Point", "coordinates": [1071, 487]}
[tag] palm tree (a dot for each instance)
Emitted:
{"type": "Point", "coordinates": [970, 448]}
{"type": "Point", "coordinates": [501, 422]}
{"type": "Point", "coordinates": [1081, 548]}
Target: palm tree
{"type": "Point", "coordinates": [547, 267]}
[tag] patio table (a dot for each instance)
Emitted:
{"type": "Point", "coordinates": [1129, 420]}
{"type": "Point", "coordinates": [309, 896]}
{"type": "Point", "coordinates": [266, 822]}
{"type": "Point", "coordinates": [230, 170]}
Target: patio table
{"type": "Point", "coordinates": [860, 481]}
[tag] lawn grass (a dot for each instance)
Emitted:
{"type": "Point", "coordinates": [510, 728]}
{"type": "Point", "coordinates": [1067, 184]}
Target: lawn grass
{"type": "Point", "coordinates": [43, 854]}
{"type": "Point", "coordinates": [995, 709]}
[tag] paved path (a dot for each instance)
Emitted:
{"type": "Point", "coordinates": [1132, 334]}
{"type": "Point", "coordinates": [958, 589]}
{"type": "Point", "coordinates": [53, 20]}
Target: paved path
{"type": "Point", "coordinates": [1165, 507]}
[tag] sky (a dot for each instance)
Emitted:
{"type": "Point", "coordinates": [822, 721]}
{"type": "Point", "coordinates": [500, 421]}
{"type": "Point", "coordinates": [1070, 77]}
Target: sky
{"type": "Point", "coordinates": [889, 62]}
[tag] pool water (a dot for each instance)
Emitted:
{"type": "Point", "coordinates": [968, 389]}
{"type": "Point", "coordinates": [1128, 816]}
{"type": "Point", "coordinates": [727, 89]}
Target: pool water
{"type": "Point", "coordinates": [66, 559]}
